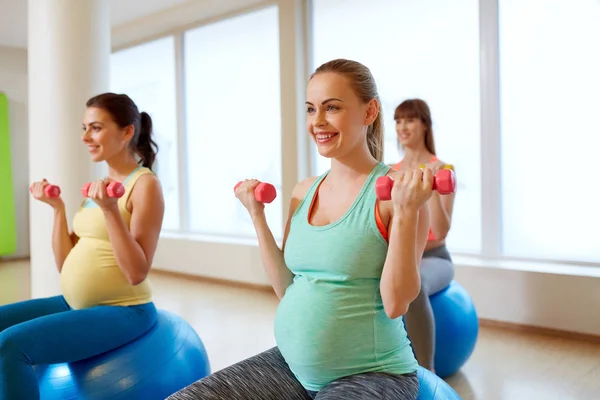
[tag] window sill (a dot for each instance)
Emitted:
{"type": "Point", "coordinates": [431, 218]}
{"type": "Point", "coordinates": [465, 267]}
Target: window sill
{"type": "Point", "coordinates": [214, 238]}
{"type": "Point", "coordinates": [528, 266]}
{"type": "Point", "coordinates": [460, 260]}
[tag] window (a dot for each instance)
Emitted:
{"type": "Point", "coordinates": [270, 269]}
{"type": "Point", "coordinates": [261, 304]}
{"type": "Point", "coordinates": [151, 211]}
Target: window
{"type": "Point", "coordinates": [550, 97]}
{"type": "Point", "coordinates": [427, 49]}
{"type": "Point", "coordinates": [146, 73]}
{"type": "Point", "coordinates": [233, 120]}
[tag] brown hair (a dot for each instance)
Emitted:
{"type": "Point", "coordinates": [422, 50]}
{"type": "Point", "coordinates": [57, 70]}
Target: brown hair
{"type": "Point", "coordinates": [124, 112]}
{"type": "Point", "coordinates": [364, 86]}
{"type": "Point", "coordinates": [417, 108]}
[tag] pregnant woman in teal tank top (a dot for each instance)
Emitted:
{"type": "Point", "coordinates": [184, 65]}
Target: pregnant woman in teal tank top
{"type": "Point", "coordinates": [343, 286]}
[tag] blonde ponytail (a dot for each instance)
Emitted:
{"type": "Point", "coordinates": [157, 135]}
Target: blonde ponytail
{"type": "Point", "coordinates": [375, 136]}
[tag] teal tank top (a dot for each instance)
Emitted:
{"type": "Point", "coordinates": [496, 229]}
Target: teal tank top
{"type": "Point", "coordinates": [331, 322]}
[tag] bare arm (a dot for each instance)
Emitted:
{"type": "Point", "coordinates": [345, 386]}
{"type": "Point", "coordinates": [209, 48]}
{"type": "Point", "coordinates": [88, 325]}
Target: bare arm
{"type": "Point", "coordinates": [441, 207]}
{"type": "Point", "coordinates": [134, 248]}
{"type": "Point", "coordinates": [272, 256]}
{"type": "Point", "coordinates": [62, 241]}
{"type": "Point", "coordinates": [400, 280]}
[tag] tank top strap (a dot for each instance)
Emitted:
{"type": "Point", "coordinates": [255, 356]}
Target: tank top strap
{"type": "Point", "coordinates": [380, 170]}
{"type": "Point", "coordinates": [306, 202]}
{"type": "Point", "coordinates": [366, 195]}
{"type": "Point", "coordinates": [370, 195]}
{"type": "Point", "coordinates": [131, 180]}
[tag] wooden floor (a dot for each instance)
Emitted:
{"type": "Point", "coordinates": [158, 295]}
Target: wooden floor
{"type": "Point", "coordinates": [236, 323]}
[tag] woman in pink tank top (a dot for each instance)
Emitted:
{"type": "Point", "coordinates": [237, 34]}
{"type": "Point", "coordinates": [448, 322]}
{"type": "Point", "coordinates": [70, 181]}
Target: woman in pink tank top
{"type": "Point", "coordinates": [415, 137]}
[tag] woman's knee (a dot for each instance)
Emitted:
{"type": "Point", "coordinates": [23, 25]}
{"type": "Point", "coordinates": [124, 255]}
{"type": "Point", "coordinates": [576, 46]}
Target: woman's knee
{"type": "Point", "coordinates": [436, 274]}
{"type": "Point", "coordinates": [372, 386]}
{"type": "Point", "coordinates": [263, 376]}
{"type": "Point", "coordinates": [147, 315]}
{"type": "Point", "coordinates": [10, 343]}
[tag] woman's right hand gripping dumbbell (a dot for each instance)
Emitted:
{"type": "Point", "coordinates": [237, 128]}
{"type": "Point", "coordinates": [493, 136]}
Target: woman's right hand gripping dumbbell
{"type": "Point", "coordinates": [46, 193]}
{"type": "Point", "coordinates": [253, 194]}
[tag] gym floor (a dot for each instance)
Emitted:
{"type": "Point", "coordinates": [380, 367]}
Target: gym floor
{"type": "Point", "coordinates": [237, 322]}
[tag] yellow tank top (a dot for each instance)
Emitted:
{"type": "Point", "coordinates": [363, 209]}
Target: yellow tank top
{"type": "Point", "coordinates": [90, 275]}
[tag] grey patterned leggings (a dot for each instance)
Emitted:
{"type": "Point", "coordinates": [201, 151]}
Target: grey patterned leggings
{"type": "Point", "coordinates": [267, 376]}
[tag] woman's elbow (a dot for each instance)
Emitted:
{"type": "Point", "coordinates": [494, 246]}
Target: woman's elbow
{"type": "Point", "coordinates": [138, 277]}
{"type": "Point", "coordinates": [396, 310]}
{"type": "Point", "coordinates": [279, 293]}
{"type": "Point", "coordinates": [134, 281]}
{"type": "Point", "coordinates": [441, 235]}
{"type": "Point", "coordinates": [442, 232]}
{"type": "Point", "coordinates": [398, 306]}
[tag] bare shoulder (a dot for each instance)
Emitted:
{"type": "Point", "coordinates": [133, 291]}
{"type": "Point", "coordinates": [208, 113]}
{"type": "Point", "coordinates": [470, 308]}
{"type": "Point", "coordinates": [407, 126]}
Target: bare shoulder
{"type": "Point", "coordinates": [147, 190]}
{"type": "Point", "coordinates": [303, 186]}
{"type": "Point", "coordinates": [298, 194]}
{"type": "Point", "coordinates": [148, 184]}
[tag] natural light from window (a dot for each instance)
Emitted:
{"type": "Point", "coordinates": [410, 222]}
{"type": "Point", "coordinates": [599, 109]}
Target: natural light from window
{"type": "Point", "coordinates": [550, 87]}
{"type": "Point", "coordinates": [146, 73]}
{"type": "Point", "coordinates": [233, 120]}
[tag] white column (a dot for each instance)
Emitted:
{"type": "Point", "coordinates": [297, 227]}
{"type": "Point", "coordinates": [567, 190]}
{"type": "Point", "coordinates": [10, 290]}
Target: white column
{"type": "Point", "coordinates": [491, 207]}
{"type": "Point", "coordinates": [294, 60]}
{"type": "Point", "coordinates": [68, 62]}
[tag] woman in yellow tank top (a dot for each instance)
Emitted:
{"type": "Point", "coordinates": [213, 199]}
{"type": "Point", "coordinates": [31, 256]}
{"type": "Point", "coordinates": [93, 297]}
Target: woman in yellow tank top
{"type": "Point", "coordinates": [103, 263]}
{"type": "Point", "coordinates": [415, 135]}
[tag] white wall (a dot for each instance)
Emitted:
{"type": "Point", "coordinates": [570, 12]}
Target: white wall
{"type": "Point", "coordinates": [562, 297]}
{"type": "Point", "coordinates": [13, 82]}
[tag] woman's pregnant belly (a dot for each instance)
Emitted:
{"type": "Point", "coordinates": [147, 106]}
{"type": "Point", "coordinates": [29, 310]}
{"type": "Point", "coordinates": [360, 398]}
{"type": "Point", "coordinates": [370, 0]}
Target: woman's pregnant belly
{"type": "Point", "coordinates": [327, 330]}
{"type": "Point", "coordinates": [91, 276]}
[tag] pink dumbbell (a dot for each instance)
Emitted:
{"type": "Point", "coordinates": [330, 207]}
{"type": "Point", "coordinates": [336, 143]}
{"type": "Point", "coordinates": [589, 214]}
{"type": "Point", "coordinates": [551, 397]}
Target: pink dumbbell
{"type": "Point", "coordinates": [264, 192]}
{"type": "Point", "coordinates": [113, 189]}
{"type": "Point", "coordinates": [444, 182]}
{"type": "Point", "coordinates": [51, 191]}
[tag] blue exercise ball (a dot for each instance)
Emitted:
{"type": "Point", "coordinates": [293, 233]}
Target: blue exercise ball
{"type": "Point", "coordinates": [164, 360]}
{"type": "Point", "coordinates": [432, 387]}
{"type": "Point", "coordinates": [456, 328]}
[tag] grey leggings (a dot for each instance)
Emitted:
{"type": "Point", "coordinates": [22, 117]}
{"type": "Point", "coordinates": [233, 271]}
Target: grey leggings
{"type": "Point", "coordinates": [267, 376]}
{"type": "Point", "coordinates": [437, 271]}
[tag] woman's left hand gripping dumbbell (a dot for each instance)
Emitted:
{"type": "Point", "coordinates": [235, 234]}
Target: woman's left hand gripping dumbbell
{"type": "Point", "coordinates": [253, 194]}
{"type": "Point", "coordinates": [103, 192]}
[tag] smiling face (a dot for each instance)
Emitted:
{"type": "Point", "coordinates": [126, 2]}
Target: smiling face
{"type": "Point", "coordinates": [103, 137]}
{"type": "Point", "coordinates": [413, 125]}
{"type": "Point", "coordinates": [411, 132]}
{"type": "Point", "coordinates": [336, 118]}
